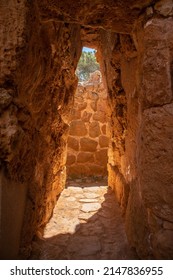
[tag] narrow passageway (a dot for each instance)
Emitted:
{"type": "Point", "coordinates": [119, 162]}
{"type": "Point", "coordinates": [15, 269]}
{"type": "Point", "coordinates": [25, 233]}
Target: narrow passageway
{"type": "Point", "coordinates": [86, 224]}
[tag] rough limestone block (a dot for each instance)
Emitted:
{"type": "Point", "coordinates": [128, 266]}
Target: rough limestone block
{"type": "Point", "coordinates": [94, 129]}
{"type": "Point", "coordinates": [102, 157]}
{"type": "Point", "coordinates": [71, 159]}
{"type": "Point", "coordinates": [99, 116]}
{"type": "Point", "coordinates": [75, 115]}
{"type": "Point", "coordinates": [86, 116]}
{"type": "Point", "coordinates": [155, 158]}
{"type": "Point", "coordinates": [103, 129]}
{"type": "Point", "coordinates": [88, 145]}
{"type": "Point", "coordinates": [93, 106]}
{"type": "Point", "coordinates": [163, 244]}
{"type": "Point", "coordinates": [93, 95]}
{"type": "Point", "coordinates": [81, 106]}
{"type": "Point", "coordinates": [164, 7]}
{"type": "Point", "coordinates": [78, 128]}
{"type": "Point", "coordinates": [5, 98]}
{"type": "Point", "coordinates": [79, 169]}
{"type": "Point", "coordinates": [73, 143]}
{"type": "Point", "coordinates": [103, 141]}
{"type": "Point", "coordinates": [85, 157]}
{"type": "Point", "coordinates": [156, 75]}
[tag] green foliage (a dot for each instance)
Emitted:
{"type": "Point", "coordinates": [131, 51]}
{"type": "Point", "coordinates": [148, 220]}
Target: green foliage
{"type": "Point", "coordinates": [87, 64]}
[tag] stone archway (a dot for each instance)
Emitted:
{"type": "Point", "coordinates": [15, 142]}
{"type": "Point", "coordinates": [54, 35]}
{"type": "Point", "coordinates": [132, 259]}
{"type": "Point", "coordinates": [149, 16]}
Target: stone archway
{"type": "Point", "coordinates": [41, 44]}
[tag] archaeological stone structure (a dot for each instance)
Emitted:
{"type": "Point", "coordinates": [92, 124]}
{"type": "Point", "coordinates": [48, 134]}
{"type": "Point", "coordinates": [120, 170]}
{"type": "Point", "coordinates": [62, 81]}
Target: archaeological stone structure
{"type": "Point", "coordinates": [40, 45]}
{"type": "Point", "coordinates": [87, 144]}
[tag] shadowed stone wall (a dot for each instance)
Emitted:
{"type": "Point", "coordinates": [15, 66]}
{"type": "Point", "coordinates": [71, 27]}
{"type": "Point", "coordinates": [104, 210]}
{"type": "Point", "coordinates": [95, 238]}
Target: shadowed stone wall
{"type": "Point", "coordinates": [88, 135]}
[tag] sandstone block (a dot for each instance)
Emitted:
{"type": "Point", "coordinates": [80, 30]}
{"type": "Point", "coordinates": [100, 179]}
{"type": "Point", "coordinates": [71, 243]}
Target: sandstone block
{"type": "Point", "coordinates": [102, 157]}
{"type": "Point", "coordinates": [163, 245]}
{"type": "Point", "coordinates": [102, 105]}
{"type": "Point", "coordinates": [88, 200]}
{"type": "Point", "coordinates": [103, 141]}
{"type": "Point", "coordinates": [168, 225]}
{"type": "Point", "coordinates": [156, 165]}
{"type": "Point", "coordinates": [88, 145]}
{"type": "Point", "coordinates": [103, 129]}
{"type": "Point", "coordinates": [71, 159]}
{"type": "Point", "coordinates": [85, 157]}
{"type": "Point", "coordinates": [156, 76]}
{"type": "Point", "coordinates": [81, 106]}
{"type": "Point", "coordinates": [86, 116]}
{"type": "Point", "coordinates": [91, 207]}
{"type": "Point", "coordinates": [164, 7]}
{"type": "Point", "coordinates": [93, 106]}
{"type": "Point", "coordinates": [78, 169]}
{"type": "Point", "coordinates": [93, 95]}
{"type": "Point", "coordinates": [97, 169]}
{"type": "Point", "coordinates": [100, 116]}
{"type": "Point", "coordinates": [73, 143]}
{"type": "Point", "coordinates": [75, 115]}
{"type": "Point", "coordinates": [5, 98]}
{"type": "Point", "coordinates": [78, 128]}
{"type": "Point", "coordinates": [94, 129]}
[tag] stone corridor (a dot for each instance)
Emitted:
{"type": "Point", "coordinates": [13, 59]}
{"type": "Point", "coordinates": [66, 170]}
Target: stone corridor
{"type": "Point", "coordinates": [86, 224]}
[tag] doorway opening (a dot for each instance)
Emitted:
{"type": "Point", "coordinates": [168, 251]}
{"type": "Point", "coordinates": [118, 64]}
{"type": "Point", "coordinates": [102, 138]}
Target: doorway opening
{"type": "Point", "coordinates": [88, 141]}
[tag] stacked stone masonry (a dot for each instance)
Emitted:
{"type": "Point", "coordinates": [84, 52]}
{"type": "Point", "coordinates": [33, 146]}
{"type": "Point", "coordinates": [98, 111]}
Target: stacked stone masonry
{"type": "Point", "coordinates": [88, 134]}
{"type": "Point", "coordinates": [41, 42]}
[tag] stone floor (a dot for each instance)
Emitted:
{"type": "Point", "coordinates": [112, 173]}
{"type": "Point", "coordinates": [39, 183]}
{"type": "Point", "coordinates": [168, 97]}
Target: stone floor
{"type": "Point", "coordinates": [86, 225]}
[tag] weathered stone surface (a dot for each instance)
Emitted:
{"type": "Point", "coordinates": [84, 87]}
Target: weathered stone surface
{"type": "Point", "coordinates": [79, 169]}
{"type": "Point", "coordinates": [156, 63]}
{"type": "Point", "coordinates": [77, 128]}
{"type": "Point", "coordinates": [82, 106]}
{"type": "Point", "coordinates": [88, 94]}
{"type": "Point", "coordinates": [73, 143]}
{"type": "Point", "coordinates": [167, 225]}
{"type": "Point", "coordinates": [5, 98]}
{"type": "Point", "coordinates": [103, 141]}
{"type": "Point", "coordinates": [102, 156]}
{"type": "Point", "coordinates": [103, 129]}
{"type": "Point", "coordinates": [85, 157]}
{"type": "Point", "coordinates": [90, 207]}
{"type": "Point", "coordinates": [93, 245]}
{"type": "Point", "coordinates": [102, 105]}
{"type": "Point", "coordinates": [71, 159]}
{"type": "Point", "coordinates": [75, 115]}
{"type": "Point", "coordinates": [86, 116]}
{"type": "Point", "coordinates": [100, 116]}
{"type": "Point", "coordinates": [85, 216]}
{"type": "Point", "coordinates": [93, 95]}
{"type": "Point", "coordinates": [91, 195]}
{"type": "Point", "coordinates": [164, 7]}
{"type": "Point", "coordinates": [34, 117]}
{"type": "Point", "coordinates": [39, 55]}
{"type": "Point", "coordinates": [94, 129]}
{"type": "Point", "coordinates": [88, 200]}
{"type": "Point", "coordinates": [94, 106]}
{"type": "Point", "coordinates": [156, 160]}
{"type": "Point", "coordinates": [119, 18]}
{"type": "Point", "coordinates": [162, 244]}
{"type": "Point", "coordinates": [88, 145]}
{"type": "Point", "coordinates": [93, 229]}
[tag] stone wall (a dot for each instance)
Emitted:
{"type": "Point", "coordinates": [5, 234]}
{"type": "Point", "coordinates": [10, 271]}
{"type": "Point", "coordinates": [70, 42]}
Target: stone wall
{"type": "Point", "coordinates": [88, 135]}
{"type": "Point", "coordinates": [39, 50]}
{"type": "Point", "coordinates": [37, 83]}
{"type": "Point", "coordinates": [140, 95]}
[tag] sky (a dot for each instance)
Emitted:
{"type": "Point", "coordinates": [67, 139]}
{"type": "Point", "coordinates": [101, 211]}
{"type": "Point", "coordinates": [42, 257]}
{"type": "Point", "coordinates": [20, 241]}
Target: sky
{"type": "Point", "coordinates": [85, 49]}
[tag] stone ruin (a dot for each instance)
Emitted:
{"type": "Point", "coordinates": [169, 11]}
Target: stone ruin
{"type": "Point", "coordinates": [88, 135]}
{"type": "Point", "coordinates": [41, 43]}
